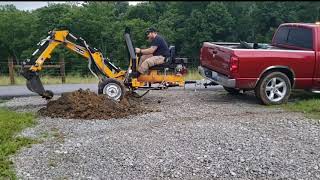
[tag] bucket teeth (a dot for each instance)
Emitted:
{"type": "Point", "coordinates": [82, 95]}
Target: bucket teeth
{"type": "Point", "coordinates": [47, 94]}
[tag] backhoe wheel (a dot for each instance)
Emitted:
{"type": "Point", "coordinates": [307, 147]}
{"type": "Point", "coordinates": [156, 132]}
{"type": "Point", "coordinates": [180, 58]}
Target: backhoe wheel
{"type": "Point", "coordinates": [232, 91]}
{"type": "Point", "coordinates": [274, 88]}
{"type": "Point", "coordinates": [112, 88]}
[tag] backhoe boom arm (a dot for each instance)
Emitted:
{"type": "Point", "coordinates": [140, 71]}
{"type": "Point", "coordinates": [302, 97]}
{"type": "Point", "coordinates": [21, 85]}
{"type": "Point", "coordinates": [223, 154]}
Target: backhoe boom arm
{"type": "Point", "coordinates": [101, 65]}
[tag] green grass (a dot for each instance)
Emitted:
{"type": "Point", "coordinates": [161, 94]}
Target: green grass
{"type": "Point", "coordinates": [308, 107]}
{"type": "Point", "coordinates": [193, 74]}
{"type": "Point", "coordinates": [77, 79]}
{"type": "Point", "coordinates": [10, 124]}
{"type": "Point", "coordinates": [72, 79]}
{"type": "Point", "coordinates": [304, 102]}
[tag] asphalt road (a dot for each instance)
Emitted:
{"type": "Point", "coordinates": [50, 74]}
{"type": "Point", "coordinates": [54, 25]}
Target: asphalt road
{"type": "Point", "coordinates": [8, 92]}
{"type": "Point", "coordinates": [22, 90]}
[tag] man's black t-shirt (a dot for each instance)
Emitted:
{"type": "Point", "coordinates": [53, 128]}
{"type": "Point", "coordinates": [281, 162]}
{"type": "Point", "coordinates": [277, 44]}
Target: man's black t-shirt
{"type": "Point", "coordinates": [162, 49]}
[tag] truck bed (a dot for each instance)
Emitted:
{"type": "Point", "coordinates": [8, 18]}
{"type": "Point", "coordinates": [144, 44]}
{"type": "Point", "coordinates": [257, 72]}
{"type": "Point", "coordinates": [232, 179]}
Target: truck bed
{"type": "Point", "coordinates": [233, 45]}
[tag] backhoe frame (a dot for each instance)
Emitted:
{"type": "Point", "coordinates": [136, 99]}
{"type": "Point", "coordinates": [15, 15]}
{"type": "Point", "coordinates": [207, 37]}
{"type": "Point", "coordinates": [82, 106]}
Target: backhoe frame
{"type": "Point", "coordinates": [99, 66]}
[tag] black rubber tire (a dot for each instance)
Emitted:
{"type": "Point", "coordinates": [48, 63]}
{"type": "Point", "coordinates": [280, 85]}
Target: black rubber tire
{"type": "Point", "coordinates": [261, 87]}
{"type": "Point", "coordinates": [232, 91]}
{"type": "Point", "coordinates": [109, 81]}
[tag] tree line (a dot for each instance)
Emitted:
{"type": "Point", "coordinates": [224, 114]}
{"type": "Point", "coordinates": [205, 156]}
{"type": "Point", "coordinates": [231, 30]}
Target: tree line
{"type": "Point", "coordinates": [183, 24]}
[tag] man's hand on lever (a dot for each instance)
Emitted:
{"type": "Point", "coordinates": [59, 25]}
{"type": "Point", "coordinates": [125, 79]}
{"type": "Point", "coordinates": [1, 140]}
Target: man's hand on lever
{"type": "Point", "coordinates": [138, 50]}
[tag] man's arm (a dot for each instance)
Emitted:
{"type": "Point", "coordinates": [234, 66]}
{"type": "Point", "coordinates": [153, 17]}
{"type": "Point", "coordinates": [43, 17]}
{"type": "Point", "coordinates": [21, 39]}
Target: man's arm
{"type": "Point", "coordinates": [150, 50]}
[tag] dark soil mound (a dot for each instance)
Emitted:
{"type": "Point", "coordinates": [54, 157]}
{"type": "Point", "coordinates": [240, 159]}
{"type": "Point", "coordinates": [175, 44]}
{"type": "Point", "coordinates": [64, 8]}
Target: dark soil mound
{"type": "Point", "coordinates": [84, 104]}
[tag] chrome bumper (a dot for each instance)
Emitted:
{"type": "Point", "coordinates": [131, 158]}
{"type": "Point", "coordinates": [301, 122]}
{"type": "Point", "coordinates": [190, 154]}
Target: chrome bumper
{"type": "Point", "coordinates": [216, 77]}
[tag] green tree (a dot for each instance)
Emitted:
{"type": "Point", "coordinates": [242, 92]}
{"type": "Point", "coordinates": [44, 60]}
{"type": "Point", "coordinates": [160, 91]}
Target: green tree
{"type": "Point", "coordinates": [212, 24]}
{"type": "Point", "coordinates": [184, 24]}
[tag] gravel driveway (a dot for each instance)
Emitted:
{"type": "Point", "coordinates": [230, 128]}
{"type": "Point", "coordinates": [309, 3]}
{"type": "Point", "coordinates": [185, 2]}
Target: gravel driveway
{"type": "Point", "coordinates": [206, 134]}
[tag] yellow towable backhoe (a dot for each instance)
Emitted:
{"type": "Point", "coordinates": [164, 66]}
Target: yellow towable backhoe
{"type": "Point", "coordinates": [113, 81]}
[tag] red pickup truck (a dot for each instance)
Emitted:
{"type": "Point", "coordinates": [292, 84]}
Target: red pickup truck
{"type": "Point", "coordinates": [291, 61]}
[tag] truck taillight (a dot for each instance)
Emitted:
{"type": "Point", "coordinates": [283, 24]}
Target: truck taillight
{"type": "Point", "coordinates": [234, 64]}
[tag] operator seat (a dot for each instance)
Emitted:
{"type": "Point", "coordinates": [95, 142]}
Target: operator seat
{"type": "Point", "coordinates": [169, 61]}
{"type": "Point", "coordinates": [172, 52]}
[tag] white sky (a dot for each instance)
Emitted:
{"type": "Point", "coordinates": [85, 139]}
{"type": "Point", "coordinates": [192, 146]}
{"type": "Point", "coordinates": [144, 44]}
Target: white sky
{"type": "Point", "coordinates": [31, 5]}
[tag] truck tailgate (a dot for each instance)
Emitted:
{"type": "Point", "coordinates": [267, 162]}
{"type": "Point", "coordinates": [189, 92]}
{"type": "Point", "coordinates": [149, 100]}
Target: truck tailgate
{"type": "Point", "coordinates": [216, 57]}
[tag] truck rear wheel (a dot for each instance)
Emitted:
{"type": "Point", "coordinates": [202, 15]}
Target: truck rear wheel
{"type": "Point", "coordinates": [273, 88]}
{"type": "Point", "coordinates": [112, 88]}
{"type": "Point", "coordinates": [232, 90]}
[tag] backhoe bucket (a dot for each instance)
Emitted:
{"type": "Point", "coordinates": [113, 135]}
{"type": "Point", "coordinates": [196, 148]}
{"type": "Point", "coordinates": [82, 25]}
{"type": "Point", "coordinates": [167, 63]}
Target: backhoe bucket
{"type": "Point", "coordinates": [34, 84]}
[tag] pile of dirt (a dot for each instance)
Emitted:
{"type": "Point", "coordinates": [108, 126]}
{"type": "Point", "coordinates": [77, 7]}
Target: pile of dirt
{"type": "Point", "coordinates": [84, 104]}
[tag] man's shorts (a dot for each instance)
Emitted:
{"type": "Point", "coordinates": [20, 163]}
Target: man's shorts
{"type": "Point", "coordinates": [149, 62]}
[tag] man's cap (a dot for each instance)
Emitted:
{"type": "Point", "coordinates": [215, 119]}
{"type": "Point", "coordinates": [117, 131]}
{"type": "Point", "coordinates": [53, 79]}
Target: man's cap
{"type": "Point", "coordinates": [150, 29]}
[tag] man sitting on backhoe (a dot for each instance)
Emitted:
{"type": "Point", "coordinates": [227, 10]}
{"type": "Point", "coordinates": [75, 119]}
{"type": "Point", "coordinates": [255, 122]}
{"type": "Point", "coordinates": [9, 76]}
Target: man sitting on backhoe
{"type": "Point", "coordinates": [154, 55]}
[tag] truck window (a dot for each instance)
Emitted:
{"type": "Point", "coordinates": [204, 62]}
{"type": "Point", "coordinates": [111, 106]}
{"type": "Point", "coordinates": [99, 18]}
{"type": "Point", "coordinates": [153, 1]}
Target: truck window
{"type": "Point", "coordinates": [300, 37]}
{"type": "Point", "coordinates": [282, 35]}
{"type": "Point", "coordinates": [294, 36]}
